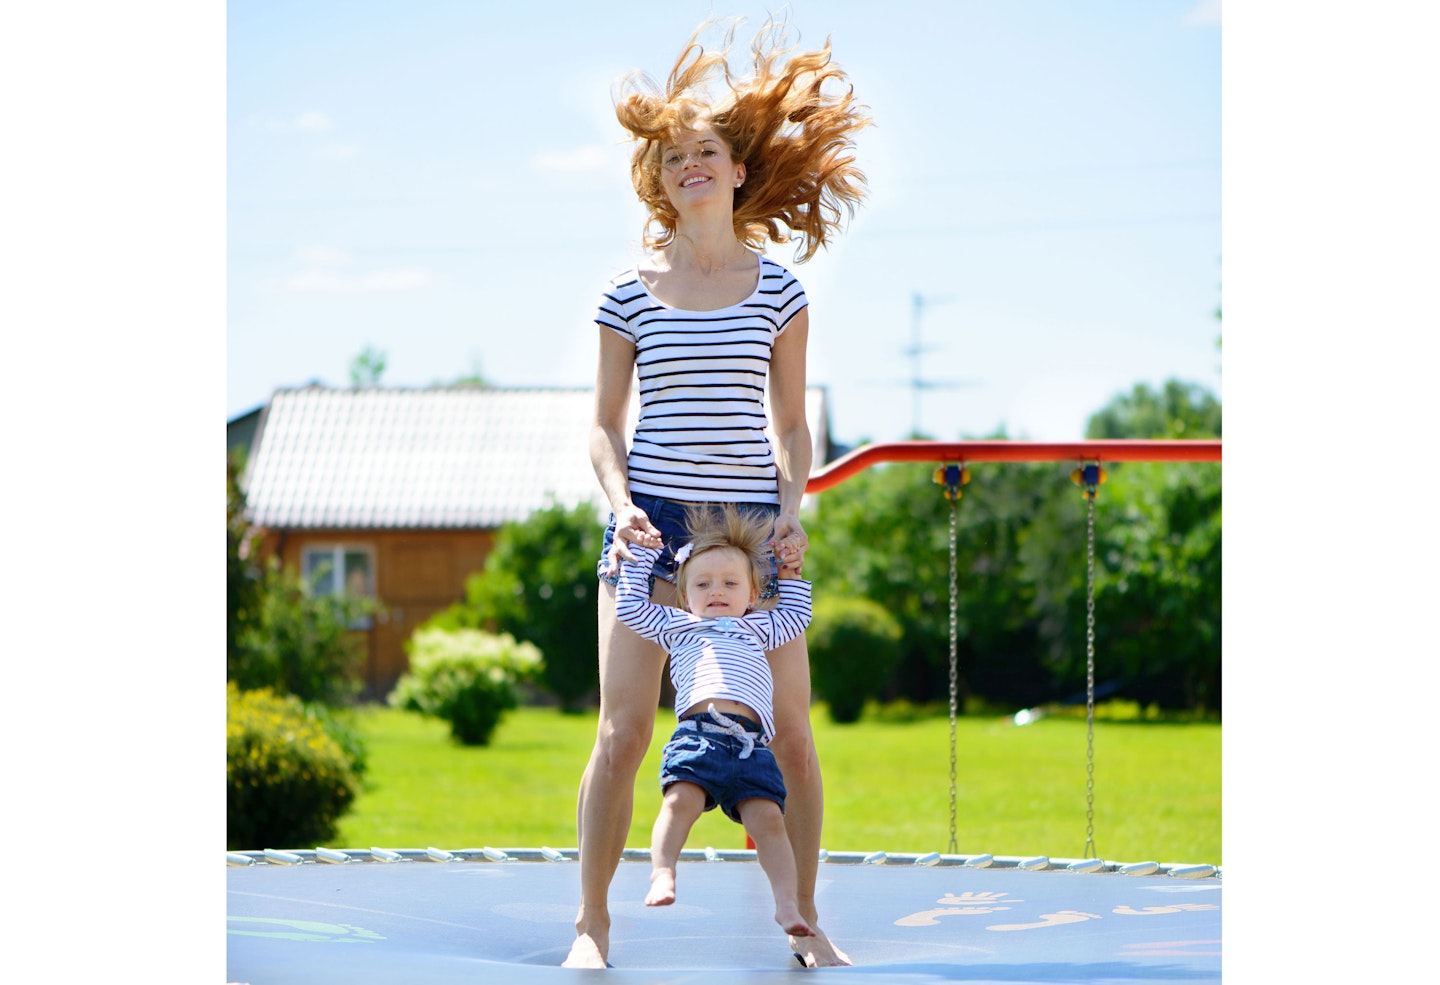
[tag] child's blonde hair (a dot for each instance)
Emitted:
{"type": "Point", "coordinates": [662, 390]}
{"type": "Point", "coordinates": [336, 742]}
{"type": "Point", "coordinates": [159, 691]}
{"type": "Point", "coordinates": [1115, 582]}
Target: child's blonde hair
{"type": "Point", "coordinates": [715, 526]}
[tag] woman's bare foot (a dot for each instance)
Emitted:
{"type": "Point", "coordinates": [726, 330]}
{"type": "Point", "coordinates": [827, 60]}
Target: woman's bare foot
{"type": "Point", "coordinates": [586, 952]}
{"type": "Point", "coordinates": [662, 888]}
{"type": "Point", "coordinates": [816, 951]}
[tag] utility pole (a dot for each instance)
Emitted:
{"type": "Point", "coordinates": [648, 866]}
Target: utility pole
{"type": "Point", "coordinates": [917, 382]}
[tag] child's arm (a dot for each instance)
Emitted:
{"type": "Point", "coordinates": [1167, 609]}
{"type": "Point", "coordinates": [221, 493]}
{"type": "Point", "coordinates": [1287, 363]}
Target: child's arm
{"type": "Point", "coordinates": [632, 595]}
{"type": "Point", "coordinates": [789, 617]}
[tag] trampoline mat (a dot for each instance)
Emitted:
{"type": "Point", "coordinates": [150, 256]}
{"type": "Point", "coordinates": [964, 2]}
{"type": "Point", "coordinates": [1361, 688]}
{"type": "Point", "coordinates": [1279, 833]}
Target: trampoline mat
{"type": "Point", "coordinates": [423, 922]}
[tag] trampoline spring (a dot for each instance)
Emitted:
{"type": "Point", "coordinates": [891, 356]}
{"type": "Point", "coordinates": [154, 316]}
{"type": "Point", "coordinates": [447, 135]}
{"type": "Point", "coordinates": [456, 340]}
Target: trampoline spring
{"type": "Point", "coordinates": [1037, 864]}
{"type": "Point", "coordinates": [385, 855]}
{"type": "Point", "coordinates": [1139, 869]}
{"type": "Point", "coordinates": [1193, 871]}
{"type": "Point", "coordinates": [554, 854]}
{"type": "Point", "coordinates": [282, 858]}
{"type": "Point", "coordinates": [1086, 865]}
{"type": "Point", "coordinates": [494, 854]}
{"type": "Point", "coordinates": [711, 855]}
{"type": "Point", "coordinates": [439, 855]}
{"type": "Point", "coordinates": [875, 858]}
{"type": "Point", "coordinates": [236, 858]}
{"type": "Point", "coordinates": [979, 861]}
{"type": "Point", "coordinates": [332, 856]}
{"type": "Point", "coordinates": [931, 859]}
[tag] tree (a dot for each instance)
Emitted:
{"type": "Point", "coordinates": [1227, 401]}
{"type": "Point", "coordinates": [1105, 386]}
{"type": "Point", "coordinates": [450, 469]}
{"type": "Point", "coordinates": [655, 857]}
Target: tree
{"type": "Point", "coordinates": [539, 585]}
{"type": "Point", "coordinates": [1021, 543]}
{"type": "Point", "coordinates": [367, 368]}
{"type": "Point", "coordinates": [1157, 561]}
{"type": "Point", "coordinates": [279, 634]}
{"type": "Point", "coordinates": [885, 535]}
{"type": "Point", "coordinates": [1178, 410]}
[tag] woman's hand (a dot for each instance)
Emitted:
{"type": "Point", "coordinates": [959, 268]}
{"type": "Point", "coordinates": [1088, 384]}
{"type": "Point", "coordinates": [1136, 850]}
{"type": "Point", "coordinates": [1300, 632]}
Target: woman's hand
{"type": "Point", "coordinates": [632, 526]}
{"type": "Point", "coordinates": [789, 544]}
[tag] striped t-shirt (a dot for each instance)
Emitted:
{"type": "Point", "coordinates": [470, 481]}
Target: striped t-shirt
{"type": "Point", "coordinates": [701, 435]}
{"type": "Point", "coordinates": [713, 658]}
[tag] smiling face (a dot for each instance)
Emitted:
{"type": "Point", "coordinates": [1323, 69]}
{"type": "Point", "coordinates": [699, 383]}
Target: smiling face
{"type": "Point", "coordinates": [696, 165]}
{"type": "Point", "coordinates": [718, 583]}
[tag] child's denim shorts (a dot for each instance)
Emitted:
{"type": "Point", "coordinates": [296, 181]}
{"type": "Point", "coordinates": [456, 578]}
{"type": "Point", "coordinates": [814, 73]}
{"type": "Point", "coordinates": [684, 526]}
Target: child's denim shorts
{"type": "Point", "coordinates": [711, 761]}
{"type": "Point", "coordinates": [669, 518]}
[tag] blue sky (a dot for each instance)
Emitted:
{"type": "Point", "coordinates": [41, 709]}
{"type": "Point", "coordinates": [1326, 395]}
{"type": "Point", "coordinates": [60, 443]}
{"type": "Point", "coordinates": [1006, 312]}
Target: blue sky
{"type": "Point", "coordinates": [445, 182]}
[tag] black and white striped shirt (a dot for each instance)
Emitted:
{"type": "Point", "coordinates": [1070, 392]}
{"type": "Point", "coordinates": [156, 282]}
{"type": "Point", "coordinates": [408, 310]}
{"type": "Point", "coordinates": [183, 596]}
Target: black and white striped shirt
{"type": "Point", "coordinates": [701, 435]}
{"type": "Point", "coordinates": [713, 658]}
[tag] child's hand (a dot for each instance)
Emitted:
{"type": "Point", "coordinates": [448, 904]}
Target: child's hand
{"type": "Point", "coordinates": [789, 546]}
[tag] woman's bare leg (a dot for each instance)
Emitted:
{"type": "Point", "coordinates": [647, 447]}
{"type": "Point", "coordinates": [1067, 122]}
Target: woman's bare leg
{"type": "Point", "coordinates": [630, 670]}
{"type": "Point", "coordinates": [683, 805]}
{"type": "Point", "coordinates": [794, 749]}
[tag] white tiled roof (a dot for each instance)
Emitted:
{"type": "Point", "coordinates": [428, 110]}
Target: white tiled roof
{"type": "Point", "coordinates": [427, 458]}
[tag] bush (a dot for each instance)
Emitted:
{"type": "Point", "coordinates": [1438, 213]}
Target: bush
{"type": "Point", "coordinates": [279, 633]}
{"type": "Point", "coordinates": [854, 646]}
{"type": "Point", "coordinates": [539, 585]}
{"type": "Point", "coordinates": [466, 677]}
{"type": "Point", "coordinates": [288, 781]}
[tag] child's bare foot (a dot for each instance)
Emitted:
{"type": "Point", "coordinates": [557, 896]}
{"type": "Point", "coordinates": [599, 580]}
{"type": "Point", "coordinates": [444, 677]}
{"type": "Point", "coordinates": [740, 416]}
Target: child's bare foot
{"type": "Point", "coordinates": [788, 916]}
{"type": "Point", "coordinates": [662, 888]}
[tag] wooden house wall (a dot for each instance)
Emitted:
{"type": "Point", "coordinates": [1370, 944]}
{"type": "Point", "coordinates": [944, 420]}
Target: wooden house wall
{"type": "Point", "coordinates": [416, 572]}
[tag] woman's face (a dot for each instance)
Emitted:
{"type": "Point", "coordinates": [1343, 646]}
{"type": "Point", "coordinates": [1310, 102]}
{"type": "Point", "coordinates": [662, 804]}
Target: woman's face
{"type": "Point", "coordinates": [696, 166]}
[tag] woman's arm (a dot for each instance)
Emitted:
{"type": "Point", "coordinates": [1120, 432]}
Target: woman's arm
{"type": "Point", "coordinates": [607, 445]}
{"type": "Point", "coordinates": [793, 444]}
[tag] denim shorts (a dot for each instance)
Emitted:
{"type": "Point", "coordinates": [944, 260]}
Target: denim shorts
{"type": "Point", "coordinates": [669, 517]}
{"type": "Point", "coordinates": [711, 761]}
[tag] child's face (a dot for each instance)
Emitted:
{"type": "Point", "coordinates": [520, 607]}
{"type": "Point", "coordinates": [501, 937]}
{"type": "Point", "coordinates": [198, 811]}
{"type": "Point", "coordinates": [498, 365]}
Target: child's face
{"type": "Point", "coordinates": [717, 583]}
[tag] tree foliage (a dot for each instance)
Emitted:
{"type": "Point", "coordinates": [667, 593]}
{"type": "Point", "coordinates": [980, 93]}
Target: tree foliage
{"type": "Point", "coordinates": [279, 634]}
{"type": "Point", "coordinates": [854, 644]}
{"type": "Point", "coordinates": [539, 585]}
{"type": "Point", "coordinates": [1021, 533]}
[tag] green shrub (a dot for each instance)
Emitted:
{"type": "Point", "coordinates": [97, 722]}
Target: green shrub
{"type": "Point", "coordinates": [279, 633]}
{"type": "Point", "coordinates": [539, 585]}
{"type": "Point", "coordinates": [854, 646]}
{"type": "Point", "coordinates": [466, 677]}
{"type": "Point", "coordinates": [288, 781]}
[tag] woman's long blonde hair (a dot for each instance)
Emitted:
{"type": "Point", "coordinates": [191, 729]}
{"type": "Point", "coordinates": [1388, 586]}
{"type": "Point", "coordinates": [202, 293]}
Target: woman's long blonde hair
{"type": "Point", "coordinates": [789, 123]}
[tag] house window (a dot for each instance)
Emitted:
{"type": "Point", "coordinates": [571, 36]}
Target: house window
{"type": "Point", "coordinates": [340, 570]}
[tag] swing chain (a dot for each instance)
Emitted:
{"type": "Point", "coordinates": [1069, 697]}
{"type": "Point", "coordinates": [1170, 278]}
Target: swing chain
{"type": "Point", "coordinates": [952, 477]}
{"type": "Point", "coordinates": [1090, 674]}
{"type": "Point", "coordinates": [954, 673]}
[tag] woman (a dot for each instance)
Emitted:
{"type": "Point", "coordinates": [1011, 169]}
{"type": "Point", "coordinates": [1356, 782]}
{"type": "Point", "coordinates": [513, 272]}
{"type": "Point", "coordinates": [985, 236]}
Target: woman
{"type": "Point", "coordinates": [710, 325]}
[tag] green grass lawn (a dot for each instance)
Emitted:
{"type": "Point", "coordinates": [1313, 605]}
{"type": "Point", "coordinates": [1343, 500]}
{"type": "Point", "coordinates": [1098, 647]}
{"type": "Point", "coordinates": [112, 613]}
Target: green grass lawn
{"type": "Point", "coordinates": [1020, 790]}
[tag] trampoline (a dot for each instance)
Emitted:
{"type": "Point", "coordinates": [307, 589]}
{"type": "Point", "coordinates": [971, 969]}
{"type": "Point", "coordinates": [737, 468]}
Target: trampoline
{"type": "Point", "coordinates": [422, 916]}
{"type": "Point", "coordinates": [491, 915]}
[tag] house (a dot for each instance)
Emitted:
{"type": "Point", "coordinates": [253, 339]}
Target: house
{"type": "Point", "coordinates": [397, 494]}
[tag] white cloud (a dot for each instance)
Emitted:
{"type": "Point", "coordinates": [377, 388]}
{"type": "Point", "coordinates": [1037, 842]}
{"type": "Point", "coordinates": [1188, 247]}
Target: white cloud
{"type": "Point", "coordinates": [1205, 13]}
{"type": "Point", "coordinates": [589, 159]}
{"type": "Point", "coordinates": [338, 152]}
{"type": "Point", "coordinates": [319, 255]}
{"type": "Point", "coordinates": [395, 280]}
{"type": "Point", "coordinates": [312, 122]}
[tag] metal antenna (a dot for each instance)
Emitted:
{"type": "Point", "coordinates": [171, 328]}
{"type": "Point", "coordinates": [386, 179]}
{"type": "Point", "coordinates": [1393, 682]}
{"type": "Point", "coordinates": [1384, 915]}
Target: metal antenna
{"type": "Point", "coordinates": [917, 382]}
